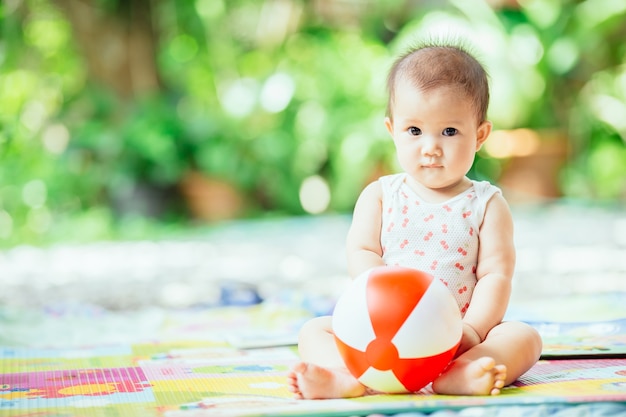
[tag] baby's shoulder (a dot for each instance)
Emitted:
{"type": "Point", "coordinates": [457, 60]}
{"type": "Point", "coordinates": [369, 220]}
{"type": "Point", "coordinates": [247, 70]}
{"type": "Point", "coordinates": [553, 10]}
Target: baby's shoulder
{"type": "Point", "coordinates": [390, 184]}
{"type": "Point", "coordinates": [485, 189]}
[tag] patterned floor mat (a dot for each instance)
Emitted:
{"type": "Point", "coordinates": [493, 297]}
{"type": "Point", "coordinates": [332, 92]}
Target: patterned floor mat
{"type": "Point", "coordinates": [214, 378]}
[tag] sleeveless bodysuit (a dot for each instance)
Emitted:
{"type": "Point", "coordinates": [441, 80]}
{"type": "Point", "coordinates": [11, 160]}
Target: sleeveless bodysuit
{"type": "Point", "coordinates": [438, 238]}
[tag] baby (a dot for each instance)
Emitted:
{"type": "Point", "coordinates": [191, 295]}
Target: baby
{"type": "Point", "coordinates": [432, 217]}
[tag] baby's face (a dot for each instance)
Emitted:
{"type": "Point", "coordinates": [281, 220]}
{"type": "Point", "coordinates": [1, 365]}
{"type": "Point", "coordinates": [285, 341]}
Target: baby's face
{"type": "Point", "coordinates": [436, 134]}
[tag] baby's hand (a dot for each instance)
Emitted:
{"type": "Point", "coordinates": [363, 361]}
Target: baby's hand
{"type": "Point", "coordinates": [469, 339]}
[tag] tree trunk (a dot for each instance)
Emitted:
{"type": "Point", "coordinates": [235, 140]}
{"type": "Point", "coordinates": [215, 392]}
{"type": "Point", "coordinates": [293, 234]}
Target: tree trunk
{"type": "Point", "coordinates": [119, 46]}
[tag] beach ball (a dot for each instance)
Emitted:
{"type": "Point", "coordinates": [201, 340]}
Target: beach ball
{"type": "Point", "coordinates": [396, 328]}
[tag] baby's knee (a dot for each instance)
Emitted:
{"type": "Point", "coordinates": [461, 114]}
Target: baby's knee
{"type": "Point", "coordinates": [530, 332]}
{"type": "Point", "coordinates": [535, 338]}
{"type": "Point", "coordinates": [315, 327]}
{"type": "Point", "coordinates": [518, 330]}
{"type": "Point", "coordinates": [529, 337]}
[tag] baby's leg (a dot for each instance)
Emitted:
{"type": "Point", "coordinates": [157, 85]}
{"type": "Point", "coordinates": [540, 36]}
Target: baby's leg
{"type": "Point", "coordinates": [510, 349]}
{"type": "Point", "coordinates": [322, 373]}
{"type": "Point", "coordinates": [316, 343]}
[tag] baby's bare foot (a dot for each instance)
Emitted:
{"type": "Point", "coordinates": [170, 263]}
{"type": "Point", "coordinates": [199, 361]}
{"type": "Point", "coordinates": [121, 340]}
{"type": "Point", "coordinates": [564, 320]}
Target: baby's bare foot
{"type": "Point", "coordinates": [308, 381]}
{"type": "Point", "coordinates": [472, 377]}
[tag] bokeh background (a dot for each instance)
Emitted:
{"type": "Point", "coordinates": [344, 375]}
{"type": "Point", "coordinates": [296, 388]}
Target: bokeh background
{"type": "Point", "coordinates": [121, 119]}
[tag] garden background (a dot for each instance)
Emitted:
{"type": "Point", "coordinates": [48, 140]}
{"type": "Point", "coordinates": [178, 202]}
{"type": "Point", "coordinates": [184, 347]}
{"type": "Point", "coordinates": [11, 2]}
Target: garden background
{"type": "Point", "coordinates": [125, 119]}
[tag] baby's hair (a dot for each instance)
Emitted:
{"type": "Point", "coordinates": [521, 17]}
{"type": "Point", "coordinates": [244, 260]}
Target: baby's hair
{"type": "Point", "coordinates": [441, 63]}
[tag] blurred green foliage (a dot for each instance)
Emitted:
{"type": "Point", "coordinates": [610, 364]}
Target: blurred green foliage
{"type": "Point", "coordinates": [264, 94]}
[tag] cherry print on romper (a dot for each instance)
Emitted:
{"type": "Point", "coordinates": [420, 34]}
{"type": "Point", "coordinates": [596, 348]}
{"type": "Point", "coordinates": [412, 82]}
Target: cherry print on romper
{"type": "Point", "coordinates": [405, 209]}
{"type": "Point", "coordinates": [429, 218]}
{"type": "Point", "coordinates": [404, 243]}
{"type": "Point", "coordinates": [459, 266]}
{"type": "Point", "coordinates": [462, 251]}
{"type": "Point", "coordinates": [447, 208]}
{"type": "Point", "coordinates": [444, 244]}
{"type": "Point", "coordinates": [462, 289]}
{"type": "Point", "coordinates": [444, 281]}
{"type": "Point", "coordinates": [428, 236]}
{"type": "Point", "coordinates": [419, 252]}
{"type": "Point", "coordinates": [471, 231]}
{"type": "Point", "coordinates": [474, 269]}
{"type": "Point", "coordinates": [390, 226]}
{"type": "Point", "coordinates": [405, 222]}
{"type": "Point", "coordinates": [467, 214]}
{"type": "Point", "coordinates": [465, 307]}
{"type": "Point", "coordinates": [404, 195]}
{"type": "Point", "coordinates": [444, 228]}
{"type": "Point", "coordinates": [433, 266]}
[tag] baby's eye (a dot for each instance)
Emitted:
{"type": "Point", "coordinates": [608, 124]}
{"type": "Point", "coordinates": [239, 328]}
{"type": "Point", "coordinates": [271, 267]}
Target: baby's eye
{"type": "Point", "coordinates": [415, 131]}
{"type": "Point", "coordinates": [450, 131]}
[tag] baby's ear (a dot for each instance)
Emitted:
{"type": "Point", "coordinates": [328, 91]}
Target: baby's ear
{"type": "Point", "coordinates": [483, 133]}
{"type": "Point", "coordinates": [389, 125]}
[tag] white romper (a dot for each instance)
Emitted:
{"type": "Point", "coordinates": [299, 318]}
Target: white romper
{"type": "Point", "coordinates": [438, 238]}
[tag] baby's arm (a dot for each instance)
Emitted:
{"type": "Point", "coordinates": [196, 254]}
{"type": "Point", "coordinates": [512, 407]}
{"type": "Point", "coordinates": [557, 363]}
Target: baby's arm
{"type": "Point", "coordinates": [363, 240]}
{"type": "Point", "coordinates": [496, 263]}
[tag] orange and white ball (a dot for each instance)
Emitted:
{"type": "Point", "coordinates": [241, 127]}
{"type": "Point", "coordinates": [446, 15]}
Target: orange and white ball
{"type": "Point", "coordinates": [397, 328]}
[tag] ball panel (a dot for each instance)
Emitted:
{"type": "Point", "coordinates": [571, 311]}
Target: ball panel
{"type": "Point", "coordinates": [356, 361]}
{"type": "Point", "coordinates": [436, 319]}
{"type": "Point", "coordinates": [392, 293]}
{"type": "Point", "coordinates": [350, 320]}
{"type": "Point", "coordinates": [416, 373]}
{"type": "Point", "coordinates": [384, 381]}
{"type": "Point", "coordinates": [408, 375]}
